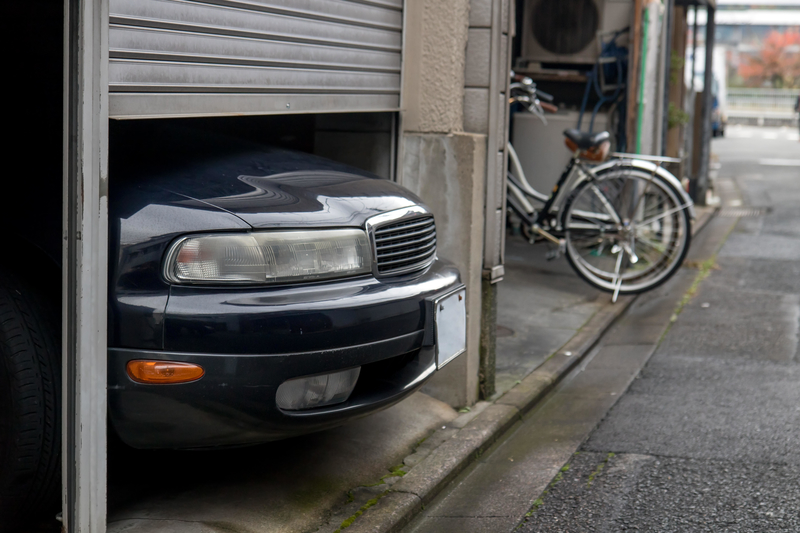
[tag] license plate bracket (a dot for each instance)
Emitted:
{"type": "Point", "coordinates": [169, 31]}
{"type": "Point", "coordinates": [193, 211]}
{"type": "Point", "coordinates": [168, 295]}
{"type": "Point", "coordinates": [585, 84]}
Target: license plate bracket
{"type": "Point", "coordinates": [450, 325]}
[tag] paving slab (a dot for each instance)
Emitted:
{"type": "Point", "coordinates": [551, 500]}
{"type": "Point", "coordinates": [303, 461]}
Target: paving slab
{"type": "Point", "coordinates": [758, 275]}
{"type": "Point", "coordinates": [482, 524]}
{"type": "Point", "coordinates": [764, 246]}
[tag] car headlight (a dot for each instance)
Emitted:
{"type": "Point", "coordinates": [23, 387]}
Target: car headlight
{"type": "Point", "coordinates": [268, 257]}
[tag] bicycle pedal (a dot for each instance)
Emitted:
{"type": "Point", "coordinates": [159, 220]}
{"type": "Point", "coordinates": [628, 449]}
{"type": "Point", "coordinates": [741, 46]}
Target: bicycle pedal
{"type": "Point", "coordinates": [553, 254]}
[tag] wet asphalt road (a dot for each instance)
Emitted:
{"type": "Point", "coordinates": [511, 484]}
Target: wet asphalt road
{"type": "Point", "coordinates": [707, 438]}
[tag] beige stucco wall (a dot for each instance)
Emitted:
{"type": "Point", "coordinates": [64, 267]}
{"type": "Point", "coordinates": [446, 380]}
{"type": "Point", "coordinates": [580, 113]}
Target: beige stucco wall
{"type": "Point", "coordinates": [433, 65]}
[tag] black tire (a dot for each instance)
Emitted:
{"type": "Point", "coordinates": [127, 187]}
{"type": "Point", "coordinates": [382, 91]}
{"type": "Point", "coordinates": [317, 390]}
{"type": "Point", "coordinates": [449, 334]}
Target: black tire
{"type": "Point", "coordinates": [643, 284]}
{"type": "Point", "coordinates": [30, 397]}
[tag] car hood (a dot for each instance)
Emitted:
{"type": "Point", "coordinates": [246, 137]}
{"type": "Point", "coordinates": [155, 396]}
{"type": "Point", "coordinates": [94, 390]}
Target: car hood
{"type": "Point", "coordinates": [301, 198]}
{"type": "Point", "coordinates": [263, 186]}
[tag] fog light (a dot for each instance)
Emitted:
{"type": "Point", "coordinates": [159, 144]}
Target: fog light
{"type": "Point", "coordinates": [158, 372]}
{"type": "Point", "coordinates": [317, 391]}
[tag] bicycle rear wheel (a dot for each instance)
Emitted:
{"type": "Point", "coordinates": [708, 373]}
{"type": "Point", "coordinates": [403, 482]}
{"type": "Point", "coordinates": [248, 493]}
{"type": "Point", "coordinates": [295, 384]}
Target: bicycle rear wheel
{"type": "Point", "coordinates": [627, 231]}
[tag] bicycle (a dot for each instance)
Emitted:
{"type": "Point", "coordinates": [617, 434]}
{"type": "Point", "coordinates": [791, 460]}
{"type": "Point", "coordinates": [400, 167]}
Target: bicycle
{"type": "Point", "coordinates": [622, 220]}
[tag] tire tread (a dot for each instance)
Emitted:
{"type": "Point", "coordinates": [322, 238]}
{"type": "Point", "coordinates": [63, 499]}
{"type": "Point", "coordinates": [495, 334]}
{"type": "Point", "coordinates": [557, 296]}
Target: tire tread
{"type": "Point", "coordinates": [30, 444]}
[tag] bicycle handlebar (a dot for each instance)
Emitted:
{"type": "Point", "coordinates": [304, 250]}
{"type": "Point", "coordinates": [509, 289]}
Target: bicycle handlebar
{"type": "Point", "coordinates": [550, 108]}
{"type": "Point", "coordinates": [524, 91]}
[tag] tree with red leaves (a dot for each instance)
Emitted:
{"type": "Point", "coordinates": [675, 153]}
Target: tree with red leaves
{"type": "Point", "coordinates": [777, 64]}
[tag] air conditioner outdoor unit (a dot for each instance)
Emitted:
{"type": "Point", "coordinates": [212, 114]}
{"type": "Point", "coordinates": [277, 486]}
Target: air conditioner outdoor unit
{"type": "Point", "coordinates": [567, 31]}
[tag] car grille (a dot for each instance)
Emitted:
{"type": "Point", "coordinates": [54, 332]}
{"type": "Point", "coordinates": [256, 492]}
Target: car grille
{"type": "Point", "coordinates": [405, 246]}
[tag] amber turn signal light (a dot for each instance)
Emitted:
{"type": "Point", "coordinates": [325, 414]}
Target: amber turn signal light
{"type": "Point", "coordinates": [158, 372]}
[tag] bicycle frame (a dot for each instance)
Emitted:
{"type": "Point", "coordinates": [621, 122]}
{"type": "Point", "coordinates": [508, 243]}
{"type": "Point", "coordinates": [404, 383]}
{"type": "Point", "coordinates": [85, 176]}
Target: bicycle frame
{"type": "Point", "coordinates": [574, 174]}
{"type": "Point", "coordinates": [546, 216]}
{"type": "Point", "coordinates": [597, 213]}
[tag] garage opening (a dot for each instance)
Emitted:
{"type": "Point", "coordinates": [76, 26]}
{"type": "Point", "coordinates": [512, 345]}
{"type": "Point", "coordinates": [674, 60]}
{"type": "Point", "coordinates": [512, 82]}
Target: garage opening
{"type": "Point", "coordinates": [365, 141]}
{"type": "Point", "coordinates": [325, 82]}
{"type": "Point", "coordinates": [30, 378]}
{"type": "Point", "coordinates": [30, 265]}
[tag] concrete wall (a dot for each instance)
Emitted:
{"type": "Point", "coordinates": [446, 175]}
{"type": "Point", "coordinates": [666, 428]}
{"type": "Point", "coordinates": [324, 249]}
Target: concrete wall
{"type": "Point", "coordinates": [452, 153]}
{"type": "Point", "coordinates": [447, 172]}
{"type": "Point", "coordinates": [363, 140]}
{"type": "Point", "coordinates": [488, 61]}
{"type": "Point", "coordinates": [443, 165]}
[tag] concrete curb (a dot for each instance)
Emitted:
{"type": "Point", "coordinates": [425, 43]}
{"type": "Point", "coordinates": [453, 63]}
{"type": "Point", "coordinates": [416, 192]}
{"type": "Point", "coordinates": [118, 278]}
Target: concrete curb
{"type": "Point", "coordinates": [425, 480]}
{"type": "Point", "coordinates": [704, 216]}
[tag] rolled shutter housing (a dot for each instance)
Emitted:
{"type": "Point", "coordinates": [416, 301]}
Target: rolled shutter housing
{"type": "Point", "coordinates": [229, 57]}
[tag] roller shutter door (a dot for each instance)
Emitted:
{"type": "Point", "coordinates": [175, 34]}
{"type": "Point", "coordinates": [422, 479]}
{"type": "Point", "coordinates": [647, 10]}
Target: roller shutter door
{"type": "Point", "coordinates": [226, 57]}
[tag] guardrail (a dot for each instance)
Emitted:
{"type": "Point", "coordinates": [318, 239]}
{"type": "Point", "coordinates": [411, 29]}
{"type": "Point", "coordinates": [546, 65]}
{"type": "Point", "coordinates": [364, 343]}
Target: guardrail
{"type": "Point", "coordinates": [770, 100]}
{"type": "Point", "coordinates": [763, 107]}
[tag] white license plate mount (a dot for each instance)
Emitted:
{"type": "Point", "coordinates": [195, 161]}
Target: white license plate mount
{"type": "Point", "coordinates": [450, 324]}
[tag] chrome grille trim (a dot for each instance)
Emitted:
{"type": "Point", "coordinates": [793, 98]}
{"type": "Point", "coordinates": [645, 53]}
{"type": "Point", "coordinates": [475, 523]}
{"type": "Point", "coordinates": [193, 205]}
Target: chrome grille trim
{"type": "Point", "coordinates": [403, 241]}
{"type": "Point", "coordinates": [422, 239]}
{"type": "Point", "coordinates": [421, 248]}
{"type": "Point", "coordinates": [405, 232]}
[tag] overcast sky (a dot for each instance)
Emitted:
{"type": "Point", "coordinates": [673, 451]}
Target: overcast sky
{"type": "Point", "coordinates": [777, 3]}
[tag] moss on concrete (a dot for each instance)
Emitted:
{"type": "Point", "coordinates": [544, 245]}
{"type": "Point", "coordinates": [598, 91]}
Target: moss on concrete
{"type": "Point", "coordinates": [347, 522]}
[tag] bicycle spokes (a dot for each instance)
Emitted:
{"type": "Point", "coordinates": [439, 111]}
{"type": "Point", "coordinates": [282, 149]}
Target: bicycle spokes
{"type": "Point", "coordinates": [626, 232]}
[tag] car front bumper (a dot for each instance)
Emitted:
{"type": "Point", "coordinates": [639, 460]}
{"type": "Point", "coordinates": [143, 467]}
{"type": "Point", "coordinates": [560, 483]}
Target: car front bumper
{"type": "Point", "coordinates": [391, 338]}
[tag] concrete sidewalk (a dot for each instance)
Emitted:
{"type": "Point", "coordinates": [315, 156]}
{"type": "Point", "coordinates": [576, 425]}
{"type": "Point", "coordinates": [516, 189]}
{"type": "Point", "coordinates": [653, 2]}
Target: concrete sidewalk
{"type": "Point", "coordinates": [541, 304]}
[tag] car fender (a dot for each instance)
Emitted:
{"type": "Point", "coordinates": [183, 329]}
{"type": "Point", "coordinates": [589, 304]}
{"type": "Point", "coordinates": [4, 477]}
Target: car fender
{"type": "Point", "coordinates": [648, 167]}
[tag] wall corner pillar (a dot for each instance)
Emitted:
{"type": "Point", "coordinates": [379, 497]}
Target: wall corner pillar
{"type": "Point", "coordinates": [447, 170]}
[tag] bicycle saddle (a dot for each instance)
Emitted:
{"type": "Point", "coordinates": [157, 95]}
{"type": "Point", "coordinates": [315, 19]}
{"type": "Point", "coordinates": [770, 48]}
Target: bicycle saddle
{"type": "Point", "coordinates": [586, 141]}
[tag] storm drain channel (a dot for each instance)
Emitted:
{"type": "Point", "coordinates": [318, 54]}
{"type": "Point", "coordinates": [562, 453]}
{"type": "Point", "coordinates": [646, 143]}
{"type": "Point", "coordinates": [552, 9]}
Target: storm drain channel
{"type": "Point", "coordinates": [739, 212]}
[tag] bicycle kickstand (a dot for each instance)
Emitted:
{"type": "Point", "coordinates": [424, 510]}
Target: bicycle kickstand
{"type": "Point", "coordinates": [561, 244]}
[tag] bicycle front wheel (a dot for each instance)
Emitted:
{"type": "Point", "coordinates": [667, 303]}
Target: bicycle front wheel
{"type": "Point", "coordinates": [627, 231]}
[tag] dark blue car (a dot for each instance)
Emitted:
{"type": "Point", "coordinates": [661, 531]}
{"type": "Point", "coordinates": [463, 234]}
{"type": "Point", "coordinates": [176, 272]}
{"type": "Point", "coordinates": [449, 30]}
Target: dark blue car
{"type": "Point", "coordinates": [254, 293]}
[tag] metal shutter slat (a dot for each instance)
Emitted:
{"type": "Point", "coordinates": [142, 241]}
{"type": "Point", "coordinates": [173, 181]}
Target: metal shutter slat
{"type": "Point", "coordinates": [334, 10]}
{"type": "Point", "coordinates": [221, 19]}
{"type": "Point", "coordinates": [167, 45]}
{"type": "Point", "coordinates": [191, 77]}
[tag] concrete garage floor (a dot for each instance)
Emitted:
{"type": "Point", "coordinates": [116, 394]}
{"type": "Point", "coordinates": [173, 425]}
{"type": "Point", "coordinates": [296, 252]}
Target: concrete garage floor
{"type": "Point", "coordinates": [541, 304]}
{"type": "Point", "coordinates": [285, 486]}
